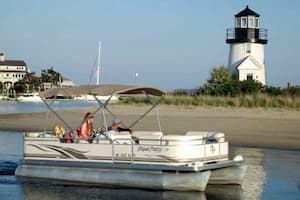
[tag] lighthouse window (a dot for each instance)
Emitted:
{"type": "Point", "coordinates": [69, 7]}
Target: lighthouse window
{"type": "Point", "coordinates": [248, 48]}
{"type": "Point", "coordinates": [244, 22]}
{"type": "Point", "coordinates": [238, 22]}
{"type": "Point", "coordinates": [251, 22]}
{"type": "Point", "coordinates": [256, 22]}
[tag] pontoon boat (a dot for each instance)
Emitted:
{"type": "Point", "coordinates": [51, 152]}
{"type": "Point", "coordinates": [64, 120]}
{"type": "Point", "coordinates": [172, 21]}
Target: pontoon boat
{"type": "Point", "coordinates": [157, 161]}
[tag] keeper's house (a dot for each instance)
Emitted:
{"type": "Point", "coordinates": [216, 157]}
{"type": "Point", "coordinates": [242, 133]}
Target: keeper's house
{"type": "Point", "coordinates": [11, 71]}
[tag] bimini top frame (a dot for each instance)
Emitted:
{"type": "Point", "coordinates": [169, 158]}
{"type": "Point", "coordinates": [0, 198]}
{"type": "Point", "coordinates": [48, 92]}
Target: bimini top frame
{"type": "Point", "coordinates": [102, 90]}
{"type": "Point", "coordinates": [109, 90]}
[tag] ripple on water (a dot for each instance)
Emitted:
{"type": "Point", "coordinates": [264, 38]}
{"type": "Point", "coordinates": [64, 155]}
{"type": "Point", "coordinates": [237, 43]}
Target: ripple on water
{"type": "Point", "coordinates": [255, 176]}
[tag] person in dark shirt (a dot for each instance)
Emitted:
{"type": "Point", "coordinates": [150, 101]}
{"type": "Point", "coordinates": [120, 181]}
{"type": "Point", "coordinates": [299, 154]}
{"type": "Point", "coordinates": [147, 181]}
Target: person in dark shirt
{"type": "Point", "coordinates": [117, 126]}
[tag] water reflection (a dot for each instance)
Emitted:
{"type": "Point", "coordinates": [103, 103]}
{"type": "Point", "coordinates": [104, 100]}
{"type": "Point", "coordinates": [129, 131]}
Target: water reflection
{"type": "Point", "coordinates": [283, 175]}
{"type": "Point", "coordinates": [226, 192]}
{"type": "Point", "coordinates": [271, 174]}
{"type": "Point", "coordinates": [62, 192]}
{"type": "Point", "coordinates": [10, 188]}
{"type": "Point", "coordinates": [13, 107]}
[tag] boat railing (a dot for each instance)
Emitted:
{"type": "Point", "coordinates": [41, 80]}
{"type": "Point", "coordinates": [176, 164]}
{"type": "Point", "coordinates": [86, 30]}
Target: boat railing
{"type": "Point", "coordinates": [209, 149]}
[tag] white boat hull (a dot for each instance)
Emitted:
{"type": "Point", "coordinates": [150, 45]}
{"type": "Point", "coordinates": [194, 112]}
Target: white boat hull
{"type": "Point", "coordinates": [30, 97]}
{"type": "Point", "coordinates": [156, 180]}
{"type": "Point", "coordinates": [157, 162]}
{"type": "Point", "coordinates": [229, 175]}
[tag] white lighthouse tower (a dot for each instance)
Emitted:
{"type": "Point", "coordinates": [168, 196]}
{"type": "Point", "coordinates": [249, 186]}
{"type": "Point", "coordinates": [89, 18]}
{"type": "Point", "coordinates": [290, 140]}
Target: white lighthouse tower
{"type": "Point", "coordinates": [246, 53]}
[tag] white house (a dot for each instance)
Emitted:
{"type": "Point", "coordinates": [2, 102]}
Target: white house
{"type": "Point", "coordinates": [66, 82]}
{"type": "Point", "coordinates": [246, 51]}
{"type": "Point", "coordinates": [11, 71]}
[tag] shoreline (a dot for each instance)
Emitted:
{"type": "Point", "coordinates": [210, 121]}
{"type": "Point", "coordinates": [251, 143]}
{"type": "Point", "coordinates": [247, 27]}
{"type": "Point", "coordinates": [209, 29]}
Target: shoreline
{"type": "Point", "coordinates": [243, 127]}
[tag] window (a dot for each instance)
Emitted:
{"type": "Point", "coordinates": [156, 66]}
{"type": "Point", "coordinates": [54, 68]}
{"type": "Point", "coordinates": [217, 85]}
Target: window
{"type": "Point", "coordinates": [256, 22]}
{"type": "Point", "coordinates": [238, 22]}
{"type": "Point", "coordinates": [251, 22]}
{"type": "Point", "coordinates": [249, 76]}
{"type": "Point", "coordinates": [248, 48]}
{"type": "Point", "coordinates": [244, 22]}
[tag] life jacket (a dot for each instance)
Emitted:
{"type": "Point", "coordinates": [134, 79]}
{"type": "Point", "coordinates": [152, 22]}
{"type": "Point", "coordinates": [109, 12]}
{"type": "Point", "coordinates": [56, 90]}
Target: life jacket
{"type": "Point", "coordinates": [73, 134]}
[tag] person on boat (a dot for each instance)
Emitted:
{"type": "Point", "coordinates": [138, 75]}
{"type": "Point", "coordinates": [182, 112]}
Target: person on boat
{"type": "Point", "coordinates": [86, 129]}
{"type": "Point", "coordinates": [59, 132]}
{"type": "Point", "coordinates": [117, 126]}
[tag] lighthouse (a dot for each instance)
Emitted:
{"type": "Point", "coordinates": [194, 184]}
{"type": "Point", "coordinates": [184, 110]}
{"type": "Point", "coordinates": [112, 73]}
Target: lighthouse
{"type": "Point", "coordinates": [246, 47]}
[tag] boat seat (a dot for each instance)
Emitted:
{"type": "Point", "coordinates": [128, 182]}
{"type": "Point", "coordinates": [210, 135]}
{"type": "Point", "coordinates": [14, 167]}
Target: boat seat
{"type": "Point", "coordinates": [39, 134]}
{"type": "Point", "coordinates": [119, 137]}
{"type": "Point", "coordinates": [83, 141]}
{"type": "Point", "coordinates": [209, 136]}
{"type": "Point", "coordinates": [101, 139]}
{"type": "Point", "coordinates": [150, 139]}
{"type": "Point", "coordinates": [147, 133]}
{"type": "Point", "coordinates": [181, 139]}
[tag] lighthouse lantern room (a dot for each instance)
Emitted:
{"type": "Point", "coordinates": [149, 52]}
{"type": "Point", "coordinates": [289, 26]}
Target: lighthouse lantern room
{"type": "Point", "coordinates": [246, 53]}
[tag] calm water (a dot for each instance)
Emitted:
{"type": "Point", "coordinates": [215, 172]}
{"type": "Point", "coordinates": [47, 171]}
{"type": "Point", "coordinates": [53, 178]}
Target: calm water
{"type": "Point", "coordinates": [12, 107]}
{"type": "Point", "coordinates": [271, 174]}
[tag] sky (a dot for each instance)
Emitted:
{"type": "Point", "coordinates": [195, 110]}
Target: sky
{"type": "Point", "coordinates": [171, 44]}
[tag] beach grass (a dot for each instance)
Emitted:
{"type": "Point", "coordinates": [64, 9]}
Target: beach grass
{"type": "Point", "coordinates": [245, 101]}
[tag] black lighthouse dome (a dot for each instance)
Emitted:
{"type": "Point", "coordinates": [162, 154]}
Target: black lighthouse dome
{"type": "Point", "coordinates": [247, 12]}
{"type": "Point", "coordinates": [246, 28]}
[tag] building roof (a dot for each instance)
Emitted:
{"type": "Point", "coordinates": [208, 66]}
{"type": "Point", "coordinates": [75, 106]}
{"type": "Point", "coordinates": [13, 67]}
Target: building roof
{"type": "Point", "coordinates": [246, 59]}
{"type": "Point", "coordinates": [246, 12]}
{"type": "Point", "coordinates": [13, 63]}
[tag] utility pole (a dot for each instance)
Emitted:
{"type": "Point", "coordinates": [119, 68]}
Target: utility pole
{"type": "Point", "coordinates": [99, 63]}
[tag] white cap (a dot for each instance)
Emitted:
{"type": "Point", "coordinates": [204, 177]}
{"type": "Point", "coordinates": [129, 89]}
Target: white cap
{"type": "Point", "coordinates": [116, 121]}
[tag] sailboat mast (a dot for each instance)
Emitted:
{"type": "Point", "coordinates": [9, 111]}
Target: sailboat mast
{"type": "Point", "coordinates": [98, 65]}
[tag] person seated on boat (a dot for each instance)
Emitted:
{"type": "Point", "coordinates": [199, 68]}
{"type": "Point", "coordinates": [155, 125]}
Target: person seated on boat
{"type": "Point", "coordinates": [86, 129]}
{"type": "Point", "coordinates": [117, 126]}
{"type": "Point", "coordinates": [59, 132]}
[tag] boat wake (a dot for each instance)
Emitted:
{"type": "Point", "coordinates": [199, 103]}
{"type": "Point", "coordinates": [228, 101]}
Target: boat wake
{"type": "Point", "coordinates": [8, 167]}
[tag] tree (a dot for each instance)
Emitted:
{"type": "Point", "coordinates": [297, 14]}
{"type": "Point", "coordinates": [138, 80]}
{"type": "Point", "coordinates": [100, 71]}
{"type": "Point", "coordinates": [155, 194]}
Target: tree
{"type": "Point", "coordinates": [274, 91]}
{"type": "Point", "coordinates": [251, 87]}
{"type": "Point", "coordinates": [180, 92]}
{"type": "Point", "coordinates": [50, 76]}
{"type": "Point", "coordinates": [222, 83]}
{"type": "Point", "coordinates": [30, 82]}
{"type": "Point", "coordinates": [220, 75]}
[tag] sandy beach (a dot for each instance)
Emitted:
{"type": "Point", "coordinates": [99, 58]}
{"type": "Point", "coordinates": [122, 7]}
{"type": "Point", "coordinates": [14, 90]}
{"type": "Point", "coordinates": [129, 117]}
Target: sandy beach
{"type": "Point", "coordinates": [261, 128]}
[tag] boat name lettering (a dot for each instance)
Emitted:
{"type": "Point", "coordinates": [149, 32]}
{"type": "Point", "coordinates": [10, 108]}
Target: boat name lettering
{"type": "Point", "coordinates": [123, 155]}
{"type": "Point", "coordinates": [150, 149]}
